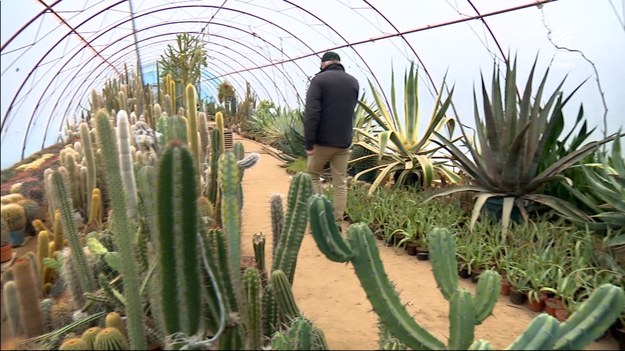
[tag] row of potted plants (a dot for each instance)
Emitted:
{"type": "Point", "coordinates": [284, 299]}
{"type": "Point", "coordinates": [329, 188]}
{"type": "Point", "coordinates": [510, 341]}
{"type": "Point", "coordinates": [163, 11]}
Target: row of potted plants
{"type": "Point", "coordinates": [539, 259]}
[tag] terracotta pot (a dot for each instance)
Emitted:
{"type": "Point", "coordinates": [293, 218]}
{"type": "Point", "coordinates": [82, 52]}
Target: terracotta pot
{"type": "Point", "coordinates": [517, 298]}
{"type": "Point", "coordinates": [536, 306]}
{"type": "Point", "coordinates": [551, 303]}
{"type": "Point", "coordinates": [562, 315]}
{"type": "Point", "coordinates": [7, 252]}
{"type": "Point", "coordinates": [505, 287]}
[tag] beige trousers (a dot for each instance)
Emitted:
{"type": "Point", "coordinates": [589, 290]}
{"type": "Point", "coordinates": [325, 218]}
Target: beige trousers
{"type": "Point", "coordinates": [338, 158]}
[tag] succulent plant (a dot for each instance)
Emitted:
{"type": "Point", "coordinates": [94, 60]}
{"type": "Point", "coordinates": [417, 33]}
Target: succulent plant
{"type": "Point", "coordinates": [14, 215]}
{"type": "Point", "coordinates": [591, 320]}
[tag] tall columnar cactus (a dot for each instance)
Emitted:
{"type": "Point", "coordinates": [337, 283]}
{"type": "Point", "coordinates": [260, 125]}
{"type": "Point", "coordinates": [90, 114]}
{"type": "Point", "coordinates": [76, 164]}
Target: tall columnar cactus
{"type": "Point", "coordinates": [229, 182]}
{"type": "Point", "coordinates": [11, 306]}
{"type": "Point", "coordinates": [43, 251]}
{"type": "Point", "coordinates": [28, 292]}
{"type": "Point", "coordinates": [89, 155]}
{"type": "Point", "coordinates": [203, 130]}
{"type": "Point", "coordinates": [125, 163]}
{"type": "Point", "coordinates": [219, 123]}
{"type": "Point", "coordinates": [215, 152]}
{"type": "Point", "coordinates": [253, 292]}
{"type": "Point", "coordinates": [178, 226]}
{"type": "Point", "coordinates": [194, 142]}
{"type": "Point", "coordinates": [57, 228]}
{"type": "Point", "coordinates": [589, 322]}
{"type": "Point", "coordinates": [300, 191]}
{"type": "Point", "coordinates": [95, 208]}
{"type": "Point", "coordinates": [258, 241]}
{"type": "Point", "coordinates": [123, 229]}
{"type": "Point", "coordinates": [277, 221]}
{"type": "Point", "coordinates": [79, 262]}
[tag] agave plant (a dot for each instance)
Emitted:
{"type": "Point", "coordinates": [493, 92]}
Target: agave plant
{"type": "Point", "coordinates": [399, 146]}
{"type": "Point", "coordinates": [509, 145]}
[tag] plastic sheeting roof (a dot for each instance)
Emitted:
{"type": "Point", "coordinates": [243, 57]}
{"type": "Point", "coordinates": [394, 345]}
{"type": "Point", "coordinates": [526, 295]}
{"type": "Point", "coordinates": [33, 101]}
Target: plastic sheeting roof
{"type": "Point", "coordinates": [54, 52]}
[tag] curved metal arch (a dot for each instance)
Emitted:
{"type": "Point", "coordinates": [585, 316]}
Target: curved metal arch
{"type": "Point", "coordinates": [151, 27]}
{"type": "Point", "coordinates": [42, 59]}
{"type": "Point", "coordinates": [375, 77]}
{"type": "Point", "coordinates": [122, 22]}
{"type": "Point", "coordinates": [403, 37]}
{"type": "Point", "coordinates": [241, 88]}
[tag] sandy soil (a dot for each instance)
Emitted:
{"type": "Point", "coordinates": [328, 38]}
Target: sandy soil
{"type": "Point", "coordinates": [330, 294]}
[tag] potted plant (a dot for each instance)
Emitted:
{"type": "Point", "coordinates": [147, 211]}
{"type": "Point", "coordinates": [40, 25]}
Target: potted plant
{"type": "Point", "coordinates": [618, 331]}
{"type": "Point", "coordinates": [519, 284]}
{"type": "Point", "coordinates": [7, 251]}
{"type": "Point", "coordinates": [508, 147]}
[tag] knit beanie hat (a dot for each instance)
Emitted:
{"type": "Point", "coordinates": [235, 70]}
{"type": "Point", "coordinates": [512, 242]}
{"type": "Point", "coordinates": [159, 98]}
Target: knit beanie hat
{"type": "Point", "coordinates": [330, 56]}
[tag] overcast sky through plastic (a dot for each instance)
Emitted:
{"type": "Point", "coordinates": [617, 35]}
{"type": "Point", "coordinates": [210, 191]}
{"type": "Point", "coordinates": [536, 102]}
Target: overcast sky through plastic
{"type": "Point", "coordinates": [48, 72]}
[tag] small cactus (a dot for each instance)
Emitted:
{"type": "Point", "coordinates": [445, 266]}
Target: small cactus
{"type": "Point", "coordinates": [74, 344]}
{"type": "Point", "coordinates": [114, 320]}
{"type": "Point", "coordinates": [110, 339]}
{"type": "Point", "coordinates": [14, 215]}
{"type": "Point", "coordinates": [89, 335]}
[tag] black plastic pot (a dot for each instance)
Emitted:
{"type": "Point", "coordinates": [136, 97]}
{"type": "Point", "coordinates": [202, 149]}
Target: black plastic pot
{"type": "Point", "coordinates": [517, 298]}
{"type": "Point", "coordinates": [464, 273]}
{"type": "Point", "coordinates": [494, 205]}
{"type": "Point", "coordinates": [423, 255]}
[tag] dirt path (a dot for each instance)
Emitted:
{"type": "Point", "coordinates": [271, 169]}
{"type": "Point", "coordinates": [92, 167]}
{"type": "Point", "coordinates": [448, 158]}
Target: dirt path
{"type": "Point", "coordinates": [330, 294]}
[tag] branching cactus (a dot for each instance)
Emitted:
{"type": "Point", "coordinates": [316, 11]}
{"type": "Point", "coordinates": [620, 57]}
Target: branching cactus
{"type": "Point", "coordinates": [300, 191]}
{"type": "Point", "coordinates": [178, 246]}
{"type": "Point", "coordinates": [590, 321]}
{"type": "Point", "coordinates": [123, 229]}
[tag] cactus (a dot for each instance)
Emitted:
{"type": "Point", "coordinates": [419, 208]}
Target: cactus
{"type": "Point", "coordinates": [114, 320]}
{"type": "Point", "coordinates": [203, 130]}
{"type": "Point", "coordinates": [258, 241]}
{"type": "Point", "coordinates": [252, 286]}
{"type": "Point", "coordinates": [89, 335]}
{"type": "Point", "coordinates": [28, 292]}
{"type": "Point", "coordinates": [61, 314]}
{"type": "Point", "coordinates": [277, 221]}
{"type": "Point", "coordinates": [74, 344]}
{"type": "Point", "coordinates": [123, 229]}
{"type": "Point", "coordinates": [79, 262]}
{"type": "Point", "coordinates": [231, 213]}
{"type": "Point", "coordinates": [14, 215]}
{"type": "Point", "coordinates": [544, 332]}
{"type": "Point", "coordinates": [110, 339]}
{"type": "Point", "coordinates": [90, 162]}
{"type": "Point", "coordinates": [216, 151]}
{"type": "Point", "coordinates": [177, 222]}
{"type": "Point", "coordinates": [95, 208]}
{"type": "Point", "coordinates": [46, 310]}
{"type": "Point", "coordinates": [43, 251]}
{"type": "Point", "coordinates": [284, 296]}
{"type": "Point", "coordinates": [57, 228]}
{"type": "Point", "coordinates": [300, 191]}
{"type": "Point", "coordinates": [194, 142]}
{"type": "Point", "coordinates": [125, 163]}
{"type": "Point", "coordinates": [11, 306]}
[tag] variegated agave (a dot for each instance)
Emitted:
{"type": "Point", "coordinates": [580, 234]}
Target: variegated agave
{"type": "Point", "coordinates": [508, 147]}
{"type": "Point", "coordinates": [398, 144]}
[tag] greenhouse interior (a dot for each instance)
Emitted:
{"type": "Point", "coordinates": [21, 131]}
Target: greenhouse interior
{"type": "Point", "coordinates": [436, 174]}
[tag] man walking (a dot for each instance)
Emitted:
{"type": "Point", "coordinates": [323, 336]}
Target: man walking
{"type": "Point", "coordinates": [330, 103]}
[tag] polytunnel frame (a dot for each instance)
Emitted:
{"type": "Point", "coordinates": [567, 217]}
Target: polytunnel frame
{"type": "Point", "coordinates": [133, 17]}
{"type": "Point", "coordinates": [347, 45]}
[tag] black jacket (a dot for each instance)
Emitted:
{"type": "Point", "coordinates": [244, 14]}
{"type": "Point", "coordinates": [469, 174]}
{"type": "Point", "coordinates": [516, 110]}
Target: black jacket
{"type": "Point", "coordinates": [330, 102]}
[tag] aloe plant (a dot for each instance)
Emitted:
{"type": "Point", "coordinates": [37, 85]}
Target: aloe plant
{"type": "Point", "coordinates": [399, 146]}
{"type": "Point", "coordinates": [511, 134]}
